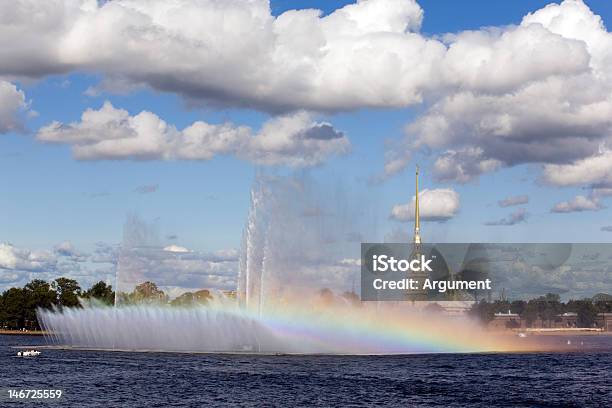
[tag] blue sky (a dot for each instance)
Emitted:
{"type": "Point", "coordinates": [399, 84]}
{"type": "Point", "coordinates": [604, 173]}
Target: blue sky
{"type": "Point", "coordinates": [47, 196]}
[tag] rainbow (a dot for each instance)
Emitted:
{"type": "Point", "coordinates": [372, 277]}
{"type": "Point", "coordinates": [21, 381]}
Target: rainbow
{"type": "Point", "coordinates": [343, 331]}
{"type": "Point", "coordinates": [308, 328]}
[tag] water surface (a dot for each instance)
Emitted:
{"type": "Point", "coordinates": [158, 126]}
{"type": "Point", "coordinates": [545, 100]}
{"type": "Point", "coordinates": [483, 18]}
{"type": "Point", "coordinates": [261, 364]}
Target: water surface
{"type": "Point", "coordinates": [113, 379]}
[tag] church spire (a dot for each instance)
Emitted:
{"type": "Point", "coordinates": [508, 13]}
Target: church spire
{"type": "Point", "coordinates": [417, 221]}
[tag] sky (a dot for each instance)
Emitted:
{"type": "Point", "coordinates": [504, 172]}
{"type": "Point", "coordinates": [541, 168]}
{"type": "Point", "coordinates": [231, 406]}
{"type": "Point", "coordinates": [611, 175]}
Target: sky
{"type": "Point", "coordinates": [116, 110]}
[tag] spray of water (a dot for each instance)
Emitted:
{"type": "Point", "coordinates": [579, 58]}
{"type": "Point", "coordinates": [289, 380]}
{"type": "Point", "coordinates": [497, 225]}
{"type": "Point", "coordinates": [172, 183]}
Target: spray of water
{"type": "Point", "coordinates": [149, 327]}
{"type": "Point", "coordinates": [313, 326]}
{"type": "Point", "coordinates": [299, 236]}
{"type": "Point", "coordinates": [295, 243]}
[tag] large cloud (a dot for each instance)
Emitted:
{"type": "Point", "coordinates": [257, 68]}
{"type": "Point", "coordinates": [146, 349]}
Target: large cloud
{"type": "Point", "coordinates": [232, 52]}
{"type": "Point", "coordinates": [561, 119]}
{"type": "Point", "coordinates": [111, 133]}
{"type": "Point", "coordinates": [537, 92]}
{"type": "Point", "coordinates": [12, 102]}
{"type": "Point", "coordinates": [368, 54]}
{"type": "Point", "coordinates": [434, 205]}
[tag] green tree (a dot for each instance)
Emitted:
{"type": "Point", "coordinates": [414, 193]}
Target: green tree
{"type": "Point", "coordinates": [124, 298]}
{"type": "Point", "coordinates": [603, 306]}
{"type": "Point", "coordinates": [201, 297]}
{"type": "Point", "coordinates": [68, 292]}
{"type": "Point", "coordinates": [545, 307]}
{"type": "Point", "coordinates": [552, 307]}
{"type": "Point", "coordinates": [148, 292]}
{"type": "Point", "coordinates": [586, 311]}
{"type": "Point", "coordinates": [37, 294]}
{"type": "Point", "coordinates": [530, 313]}
{"type": "Point", "coordinates": [186, 299]}
{"type": "Point", "coordinates": [501, 306]}
{"type": "Point", "coordinates": [518, 307]}
{"type": "Point", "coordinates": [552, 297]}
{"type": "Point", "coordinates": [13, 308]}
{"type": "Point", "coordinates": [602, 302]}
{"type": "Point", "coordinates": [102, 292]}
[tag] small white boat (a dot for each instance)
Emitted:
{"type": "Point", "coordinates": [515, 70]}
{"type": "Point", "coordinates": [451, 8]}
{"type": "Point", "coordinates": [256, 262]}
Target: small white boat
{"type": "Point", "coordinates": [28, 353]}
{"type": "Point", "coordinates": [522, 335]}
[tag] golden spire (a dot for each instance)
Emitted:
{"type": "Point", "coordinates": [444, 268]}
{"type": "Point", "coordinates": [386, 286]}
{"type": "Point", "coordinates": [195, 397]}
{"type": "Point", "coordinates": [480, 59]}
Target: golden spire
{"type": "Point", "coordinates": [417, 236]}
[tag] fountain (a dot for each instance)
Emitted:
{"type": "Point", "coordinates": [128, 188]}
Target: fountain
{"type": "Point", "coordinates": [298, 249]}
{"type": "Point", "coordinates": [160, 328]}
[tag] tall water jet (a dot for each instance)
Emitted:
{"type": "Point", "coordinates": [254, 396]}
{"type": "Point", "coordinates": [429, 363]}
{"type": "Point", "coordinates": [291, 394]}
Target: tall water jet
{"type": "Point", "coordinates": [251, 259]}
{"type": "Point", "coordinates": [297, 238]}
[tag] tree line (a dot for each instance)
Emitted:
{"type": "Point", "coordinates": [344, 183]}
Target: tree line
{"type": "Point", "coordinates": [18, 305]}
{"type": "Point", "coordinates": [149, 293]}
{"type": "Point", "coordinates": [546, 308]}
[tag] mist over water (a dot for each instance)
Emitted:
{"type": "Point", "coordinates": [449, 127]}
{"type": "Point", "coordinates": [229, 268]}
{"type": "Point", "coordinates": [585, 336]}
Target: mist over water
{"type": "Point", "coordinates": [310, 327]}
{"type": "Point", "coordinates": [299, 238]}
{"type": "Point", "coordinates": [150, 327]}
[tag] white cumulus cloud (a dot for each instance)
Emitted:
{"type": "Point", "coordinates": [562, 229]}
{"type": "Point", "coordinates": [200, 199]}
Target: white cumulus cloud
{"type": "Point", "coordinates": [236, 52]}
{"type": "Point", "coordinates": [111, 133]}
{"type": "Point", "coordinates": [520, 108]}
{"type": "Point", "coordinates": [536, 92]}
{"type": "Point", "coordinates": [578, 203]}
{"type": "Point", "coordinates": [18, 259]}
{"type": "Point", "coordinates": [12, 102]}
{"type": "Point", "coordinates": [434, 205]}
{"type": "Point", "coordinates": [231, 52]}
{"type": "Point", "coordinates": [176, 249]}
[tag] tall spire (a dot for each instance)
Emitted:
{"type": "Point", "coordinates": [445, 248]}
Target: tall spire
{"type": "Point", "coordinates": [419, 293]}
{"type": "Point", "coordinates": [417, 221]}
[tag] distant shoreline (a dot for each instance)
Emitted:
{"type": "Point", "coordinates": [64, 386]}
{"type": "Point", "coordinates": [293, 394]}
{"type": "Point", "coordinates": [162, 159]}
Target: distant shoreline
{"type": "Point", "coordinates": [569, 331]}
{"type": "Point", "coordinates": [536, 332]}
{"type": "Point", "coordinates": [566, 331]}
{"type": "Point", "coordinates": [23, 333]}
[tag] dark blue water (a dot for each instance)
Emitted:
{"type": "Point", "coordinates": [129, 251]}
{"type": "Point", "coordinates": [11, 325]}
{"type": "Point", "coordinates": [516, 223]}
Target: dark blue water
{"type": "Point", "coordinates": [117, 379]}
